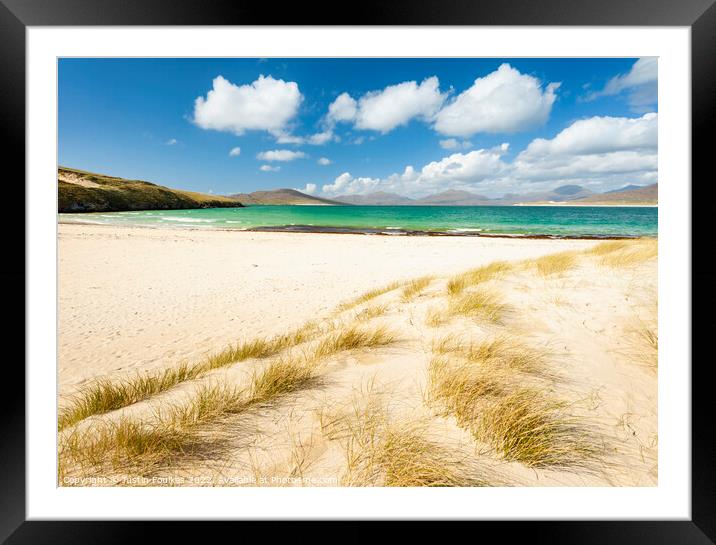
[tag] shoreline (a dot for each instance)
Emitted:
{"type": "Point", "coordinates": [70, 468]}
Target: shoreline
{"type": "Point", "coordinates": [391, 232]}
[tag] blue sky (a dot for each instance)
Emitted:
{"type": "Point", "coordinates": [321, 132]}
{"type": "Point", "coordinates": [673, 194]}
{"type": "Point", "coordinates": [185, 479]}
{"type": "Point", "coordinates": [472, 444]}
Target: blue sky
{"type": "Point", "coordinates": [341, 126]}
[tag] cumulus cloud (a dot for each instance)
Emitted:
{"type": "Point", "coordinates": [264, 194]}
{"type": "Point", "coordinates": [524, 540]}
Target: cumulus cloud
{"type": "Point", "coordinates": [599, 135]}
{"type": "Point", "coordinates": [345, 184]}
{"type": "Point", "coordinates": [640, 82]}
{"type": "Point", "coordinates": [456, 170]}
{"type": "Point", "coordinates": [384, 110]}
{"type": "Point", "coordinates": [504, 101]}
{"type": "Point", "coordinates": [344, 108]}
{"type": "Point", "coordinates": [171, 142]}
{"type": "Point", "coordinates": [601, 153]}
{"type": "Point", "coordinates": [267, 104]}
{"type": "Point", "coordinates": [323, 161]}
{"type": "Point", "coordinates": [395, 105]}
{"type": "Point", "coordinates": [591, 148]}
{"type": "Point", "coordinates": [269, 168]}
{"type": "Point", "coordinates": [452, 143]}
{"type": "Point", "coordinates": [235, 152]}
{"type": "Point", "coordinates": [280, 155]}
{"type": "Point", "coordinates": [309, 188]}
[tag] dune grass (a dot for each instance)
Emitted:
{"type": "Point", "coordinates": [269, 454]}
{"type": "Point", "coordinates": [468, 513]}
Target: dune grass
{"type": "Point", "coordinates": [481, 304]}
{"type": "Point", "coordinates": [626, 254]}
{"type": "Point", "coordinates": [499, 353]}
{"type": "Point", "coordinates": [414, 288]}
{"type": "Point", "coordinates": [281, 377]}
{"type": "Point", "coordinates": [373, 311]}
{"type": "Point", "coordinates": [381, 452]}
{"type": "Point", "coordinates": [607, 247]}
{"type": "Point", "coordinates": [133, 446]}
{"type": "Point", "coordinates": [552, 264]}
{"type": "Point", "coordinates": [353, 337]}
{"type": "Point", "coordinates": [529, 427]}
{"type": "Point", "coordinates": [104, 396]}
{"type": "Point", "coordinates": [479, 386]}
{"type": "Point", "coordinates": [179, 431]}
{"type": "Point", "coordinates": [369, 295]}
{"type": "Point", "coordinates": [643, 344]}
{"type": "Point", "coordinates": [435, 317]}
{"type": "Point", "coordinates": [458, 283]}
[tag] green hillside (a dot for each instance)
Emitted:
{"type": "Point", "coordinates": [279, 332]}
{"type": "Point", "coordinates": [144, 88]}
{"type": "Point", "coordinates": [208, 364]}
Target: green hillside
{"type": "Point", "coordinates": [80, 191]}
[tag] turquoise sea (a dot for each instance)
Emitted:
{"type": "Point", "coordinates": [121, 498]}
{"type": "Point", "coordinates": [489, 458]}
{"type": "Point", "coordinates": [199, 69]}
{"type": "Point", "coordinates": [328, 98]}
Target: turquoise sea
{"type": "Point", "coordinates": [555, 221]}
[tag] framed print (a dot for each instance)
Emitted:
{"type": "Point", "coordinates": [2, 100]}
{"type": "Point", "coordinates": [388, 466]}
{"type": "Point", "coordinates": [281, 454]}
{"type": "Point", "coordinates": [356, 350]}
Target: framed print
{"type": "Point", "coordinates": [427, 264]}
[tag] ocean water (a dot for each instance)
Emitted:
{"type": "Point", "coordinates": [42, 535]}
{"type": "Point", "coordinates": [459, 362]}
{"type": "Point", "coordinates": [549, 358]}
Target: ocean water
{"type": "Point", "coordinates": [555, 221]}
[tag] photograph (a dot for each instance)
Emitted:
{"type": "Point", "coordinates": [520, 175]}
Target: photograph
{"type": "Point", "coordinates": [357, 271]}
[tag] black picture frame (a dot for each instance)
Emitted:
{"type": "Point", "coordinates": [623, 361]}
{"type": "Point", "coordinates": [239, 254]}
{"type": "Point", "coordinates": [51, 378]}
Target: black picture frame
{"type": "Point", "coordinates": [16, 15]}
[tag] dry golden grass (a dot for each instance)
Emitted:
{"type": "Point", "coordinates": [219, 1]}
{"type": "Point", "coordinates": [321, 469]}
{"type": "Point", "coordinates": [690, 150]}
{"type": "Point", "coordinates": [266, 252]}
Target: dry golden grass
{"type": "Point", "coordinates": [529, 427]}
{"type": "Point", "coordinates": [137, 447]}
{"type": "Point", "coordinates": [435, 317]}
{"type": "Point", "coordinates": [500, 353]}
{"type": "Point", "coordinates": [353, 337]}
{"type": "Point", "coordinates": [374, 311]}
{"type": "Point", "coordinates": [642, 342]}
{"type": "Point", "coordinates": [415, 288]}
{"type": "Point", "coordinates": [555, 263]}
{"type": "Point", "coordinates": [369, 295]}
{"type": "Point", "coordinates": [104, 396]}
{"type": "Point", "coordinates": [627, 254]}
{"type": "Point", "coordinates": [458, 283]}
{"type": "Point", "coordinates": [281, 377]}
{"type": "Point", "coordinates": [179, 431]}
{"type": "Point", "coordinates": [482, 392]}
{"type": "Point", "coordinates": [608, 247]}
{"type": "Point", "coordinates": [480, 304]}
{"type": "Point", "coordinates": [383, 453]}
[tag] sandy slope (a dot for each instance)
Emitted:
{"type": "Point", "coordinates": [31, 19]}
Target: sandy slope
{"type": "Point", "coordinates": [135, 299]}
{"type": "Point", "coordinates": [160, 296]}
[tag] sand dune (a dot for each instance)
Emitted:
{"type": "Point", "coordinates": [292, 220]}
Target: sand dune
{"type": "Point", "coordinates": [356, 360]}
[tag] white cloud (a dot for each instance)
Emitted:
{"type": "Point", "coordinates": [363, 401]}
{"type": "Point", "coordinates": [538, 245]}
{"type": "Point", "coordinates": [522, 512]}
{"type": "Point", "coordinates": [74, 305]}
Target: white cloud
{"type": "Point", "coordinates": [317, 139]}
{"type": "Point", "coordinates": [504, 101]}
{"type": "Point", "coordinates": [396, 105]}
{"type": "Point", "coordinates": [452, 143]}
{"type": "Point", "coordinates": [171, 142]}
{"type": "Point", "coordinates": [599, 135]}
{"type": "Point", "coordinates": [285, 138]}
{"type": "Point", "coordinates": [640, 82]}
{"type": "Point", "coordinates": [269, 168]}
{"type": "Point", "coordinates": [601, 153]}
{"type": "Point", "coordinates": [384, 110]}
{"type": "Point", "coordinates": [591, 148]}
{"type": "Point", "coordinates": [323, 161]}
{"type": "Point", "coordinates": [344, 108]}
{"type": "Point", "coordinates": [321, 138]}
{"type": "Point", "coordinates": [310, 189]}
{"type": "Point", "coordinates": [266, 104]}
{"type": "Point", "coordinates": [235, 152]}
{"type": "Point", "coordinates": [280, 155]}
{"type": "Point", "coordinates": [455, 170]}
{"type": "Point", "coordinates": [345, 184]}
{"type": "Point", "coordinates": [645, 70]}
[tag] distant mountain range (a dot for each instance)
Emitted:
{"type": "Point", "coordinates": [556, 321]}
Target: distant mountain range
{"type": "Point", "coordinates": [573, 194]}
{"type": "Point", "coordinates": [80, 191]}
{"type": "Point", "coordinates": [279, 196]}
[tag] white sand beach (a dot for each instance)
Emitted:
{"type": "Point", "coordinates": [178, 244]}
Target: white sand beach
{"type": "Point", "coordinates": [135, 300]}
